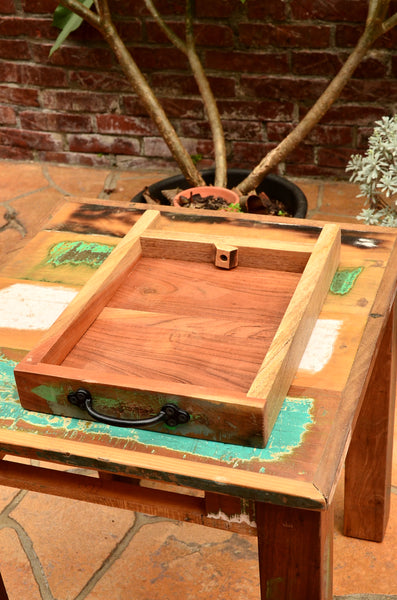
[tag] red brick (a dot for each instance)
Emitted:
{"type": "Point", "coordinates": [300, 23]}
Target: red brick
{"type": "Point", "coordinates": [363, 133]}
{"type": "Point", "coordinates": [14, 49]}
{"type": "Point", "coordinates": [185, 85]}
{"type": "Point", "coordinates": [316, 63]}
{"type": "Point", "coordinates": [337, 10]}
{"type": "Point", "coordinates": [123, 124]}
{"type": "Point", "coordinates": [283, 88]}
{"type": "Point", "coordinates": [70, 100]}
{"type": "Point", "coordinates": [258, 9]}
{"type": "Point", "coordinates": [216, 8]}
{"type": "Point", "coordinates": [153, 59]}
{"type": "Point", "coordinates": [7, 7]}
{"type": "Point", "coordinates": [19, 95]}
{"type": "Point", "coordinates": [277, 131]}
{"type": "Point", "coordinates": [155, 146]}
{"type": "Point", "coordinates": [256, 110]}
{"type": "Point", "coordinates": [234, 130]}
{"type": "Point", "coordinates": [334, 157]}
{"type": "Point", "coordinates": [183, 108]}
{"type": "Point", "coordinates": [32, 27]}
{"type": "Point", "coordinates": [370, 90]}
{"type": "Point", "coordinates": [28, 74]}
{"type": "Point", "coordinates": [39, 6]}
{"type": "Point", "coordinates": [69, 158]}
{"type": "Point", "coordinates": [357, 114]}
{"type": "Point", "coordinates": [167, 7]}
{"type": "Point", "coordinates": [248, 154]}
{"type": "Point", "coordinates": [103, 144]}
{"type": "Point", "coordinates": [208, 34]}
{"type": "Point", "coordinates": [302, 154]}
{"type": "Point", "coordinates": [15, 153]}
{"type": "Point", "coordinates": [29, 139]}
{"type": "Point", "coordinates": [327, 63]}
{"type": "Point", "coordinates": [7, 115]}
{"type": "Point", "coordinates": [103, 82]}
{"type": "Point", "coordinates": [44, 121]}
{"type": "Point", "coordinates": [256, 35]}
{"type": "Point", "coordinates": [313, 170]}
{"type": "Point", "coordinates": [321, 135]}
{"type": "Point", "coordinates": [130, 30]}
{"type": "Point", "coordinates": [96, 58]}
{"type": "Point", "coordinates": [245, 62]}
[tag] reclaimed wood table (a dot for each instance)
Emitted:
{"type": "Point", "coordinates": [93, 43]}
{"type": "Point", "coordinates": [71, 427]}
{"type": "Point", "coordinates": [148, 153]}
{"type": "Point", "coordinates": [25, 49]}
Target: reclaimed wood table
{"type": "Point", "coordinates": [338, 411]}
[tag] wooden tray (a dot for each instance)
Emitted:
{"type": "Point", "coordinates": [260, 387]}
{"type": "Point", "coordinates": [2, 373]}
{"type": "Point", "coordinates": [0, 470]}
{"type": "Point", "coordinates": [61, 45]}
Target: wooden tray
{"type": "Point", "coordinates": [201, 332]}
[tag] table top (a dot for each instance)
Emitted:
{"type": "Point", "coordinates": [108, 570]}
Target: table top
{"type": "Point", "coordinates": [305, 453]}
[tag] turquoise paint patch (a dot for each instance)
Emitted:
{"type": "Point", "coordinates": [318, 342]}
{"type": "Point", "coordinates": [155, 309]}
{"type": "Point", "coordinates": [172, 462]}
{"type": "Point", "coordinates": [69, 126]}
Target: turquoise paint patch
{"type": "Point", "coordinates": [78, 253]}
{"type": "Point", "coordinates": [293, 421]}
{"type": "Point", "coordinates": [8, 390]}
{"type": "Point", "coordinates": [343, 281]}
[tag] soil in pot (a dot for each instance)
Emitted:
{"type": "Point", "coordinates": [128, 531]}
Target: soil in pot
{"type": "Point", "coordinates": [258, 204]}
{"type": "Point", "coordinates": [282, 197]}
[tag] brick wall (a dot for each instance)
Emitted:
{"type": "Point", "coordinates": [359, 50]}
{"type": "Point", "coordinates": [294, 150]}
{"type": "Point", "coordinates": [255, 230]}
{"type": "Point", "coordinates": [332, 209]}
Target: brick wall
{"type": "Point", "coordinates": [267, 62]}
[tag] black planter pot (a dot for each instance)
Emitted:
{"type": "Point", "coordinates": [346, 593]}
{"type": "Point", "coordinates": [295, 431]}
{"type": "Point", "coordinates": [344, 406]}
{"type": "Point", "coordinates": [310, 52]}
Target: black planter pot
{"type": "Point", "coordinates": [273, 185]}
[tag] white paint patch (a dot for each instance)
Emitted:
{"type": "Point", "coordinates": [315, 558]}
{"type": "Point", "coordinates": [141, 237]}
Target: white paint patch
{"type": "Point", "coordinates": [32, 307]}
{"type": "Point", "coordinates": [321, 344]}
{"type": "Point", "coordinates": [232, 519]}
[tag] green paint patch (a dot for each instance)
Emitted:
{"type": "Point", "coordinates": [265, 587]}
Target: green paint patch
{"type": "Point", "coordinates": [78, 253]}
{"type": "Point", "coordinates": [343, 281]}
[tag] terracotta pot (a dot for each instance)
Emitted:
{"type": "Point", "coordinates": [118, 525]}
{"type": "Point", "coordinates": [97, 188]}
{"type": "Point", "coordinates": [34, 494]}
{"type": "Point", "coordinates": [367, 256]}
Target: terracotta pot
{"type": "Point", "coordinates": [209, 190]}
{"type": "Point", "coordinates": [273, 185]}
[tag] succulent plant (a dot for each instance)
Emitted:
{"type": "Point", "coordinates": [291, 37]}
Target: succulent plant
{"type": "Point", "coordinates": [376, 174]}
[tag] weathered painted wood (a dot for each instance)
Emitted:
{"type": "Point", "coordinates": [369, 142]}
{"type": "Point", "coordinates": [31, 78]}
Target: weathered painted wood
{"type": "Point", "coordinates": [60, 257]}
{"type": "Point", "coordinates": [369, 459]}
{"type": "Point", "coordinates": [295, 552]}
{"type": "Point", "coordinates": [94, 217]}
{"type": "Point", "coordinates": [286, 350]}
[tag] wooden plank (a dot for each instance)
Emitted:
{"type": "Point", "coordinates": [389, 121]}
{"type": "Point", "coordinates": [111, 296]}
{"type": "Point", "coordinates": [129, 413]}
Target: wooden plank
{"type": "Point", "coordinates": [214, 413]}
{"type": "Point", "coordinates": [263, 253]}
{"type": "Point", "coordinates": [158, 466]}
{"type": "Point", "coordinates": [337, 443]}
{"type": "Point", "coordinates": [282, 359]}
{"type": "Point", "coordinates": [60, 257]}
{"type": "Point", "coordinates": [82, 311]}
{"type": "Point", "coordinates": [369, 459]}
{"type": "Point", "coordinates": [94, 218]}
{"type": "Point", "coordinates": [295, 552]}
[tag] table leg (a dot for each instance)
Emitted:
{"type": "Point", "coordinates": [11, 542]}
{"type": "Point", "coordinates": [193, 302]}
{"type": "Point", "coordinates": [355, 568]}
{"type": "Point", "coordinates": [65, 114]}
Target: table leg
{"type": "Point", "coordinates": [3, 593]}
{"type": "Point", "coordinates": [369, 460]}
{"type": "Point", "coordinates": [295, 552]}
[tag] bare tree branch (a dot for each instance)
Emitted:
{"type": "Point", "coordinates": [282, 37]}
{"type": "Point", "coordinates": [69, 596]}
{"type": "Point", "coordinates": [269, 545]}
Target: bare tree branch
{"type": "Point", "coordinates": [210, 104]}
{"type": "Point", "coordinates": [83, 12]}
{"type": "Point", "coordinates": [106, 27]}
{"type": "Point", "coordinates": [373, 30]}
{"type": "Point", "coordinates": [172, 36]}
{"type": "Point", "coordinates": [189, 49]}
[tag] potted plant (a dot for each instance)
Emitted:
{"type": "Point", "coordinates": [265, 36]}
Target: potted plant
{"type": "Point", "coordinates": [98, 14]}
{"type": "Point", "coordinates": [376, 174]}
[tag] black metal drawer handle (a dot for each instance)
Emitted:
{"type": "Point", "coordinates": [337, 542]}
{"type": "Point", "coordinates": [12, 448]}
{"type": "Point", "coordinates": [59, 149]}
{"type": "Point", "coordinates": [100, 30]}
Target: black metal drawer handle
{"type": "Point", "coordinates": [169, 414]}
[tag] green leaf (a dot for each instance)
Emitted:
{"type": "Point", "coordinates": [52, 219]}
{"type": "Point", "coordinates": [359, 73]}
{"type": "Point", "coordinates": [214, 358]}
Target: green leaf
{"type": "Point", "coordinates": [67, 21]}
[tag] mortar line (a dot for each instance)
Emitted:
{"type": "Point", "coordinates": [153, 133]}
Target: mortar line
{"type": "Point", "coordinates": [140, 521]}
